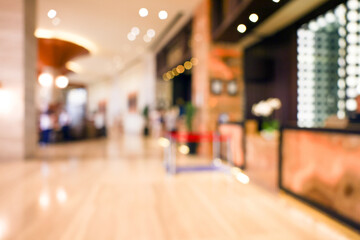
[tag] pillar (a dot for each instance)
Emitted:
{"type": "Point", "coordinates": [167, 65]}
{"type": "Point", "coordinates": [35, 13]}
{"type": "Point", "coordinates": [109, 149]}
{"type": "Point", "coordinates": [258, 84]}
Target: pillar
{"type": "Point", "coordinates": [18, 128]}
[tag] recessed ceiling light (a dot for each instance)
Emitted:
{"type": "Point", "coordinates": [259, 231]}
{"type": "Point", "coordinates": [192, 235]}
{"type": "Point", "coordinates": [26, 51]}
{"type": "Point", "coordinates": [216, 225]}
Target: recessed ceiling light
{"type": "Point", "coordinates": [147, 38]}
{"type": "Point", "coordinates": [254, 17]}
{"type": "Point", "coordinates": [51, 13]}
{"type": "Point", "coordinates": [46, 79]}
{"type": "Point", "coordinates": [163, 14]}
{"type": "Point", "coordinates": [276, 1]}
{"type": "Point", "coordinates": [131, 36]}
{"type": "Point", "coordinates": [135, 30]}
{"type": "Point", "coordinates": [62, 82]}
{"type": "Point", "coordinates": [143, 12]}
{"type": "Point", "coordinates": [56, 21]}
{"type": "Point", "coordinates": [241, 28]}
{"type": "Point", "coordinates": [151, 33]}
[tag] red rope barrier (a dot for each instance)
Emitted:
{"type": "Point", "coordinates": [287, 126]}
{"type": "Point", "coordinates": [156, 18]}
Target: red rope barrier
{"type": "Point", "coordinates": [197, 137]}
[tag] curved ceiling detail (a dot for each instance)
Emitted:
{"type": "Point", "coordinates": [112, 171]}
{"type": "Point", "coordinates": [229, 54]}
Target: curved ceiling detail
{"type": "Point", "coordinates": [56, 53]}
{"type": "Point", "coordinates": [68, 37]}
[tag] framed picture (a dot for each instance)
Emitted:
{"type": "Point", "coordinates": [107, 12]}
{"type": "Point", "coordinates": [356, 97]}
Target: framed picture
{"type": "Point", "coordinates": [232, 88]}
{"type": "Point", "coordinates": [216, 86]}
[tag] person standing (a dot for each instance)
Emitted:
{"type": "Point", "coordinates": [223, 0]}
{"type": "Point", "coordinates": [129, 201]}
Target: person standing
{"type": "Point", "coordinates": [46, 126]}
{"type": "Point", "coordinates": [64, 122]}
{"type": "Point", "coordinates": [99, 122]}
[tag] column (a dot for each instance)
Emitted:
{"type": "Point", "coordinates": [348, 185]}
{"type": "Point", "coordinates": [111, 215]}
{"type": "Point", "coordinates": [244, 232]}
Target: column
{"type": "Point", "coordinates": [18, 128]}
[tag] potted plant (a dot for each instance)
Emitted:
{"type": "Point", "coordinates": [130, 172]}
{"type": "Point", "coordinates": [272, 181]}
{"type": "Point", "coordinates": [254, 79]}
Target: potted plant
{"type": "Point", "coordinates": [268, 124]}
{"type": "Point", "coordinates": [190, 111]}
{"type": "Point", "coordinates": [145, 114]}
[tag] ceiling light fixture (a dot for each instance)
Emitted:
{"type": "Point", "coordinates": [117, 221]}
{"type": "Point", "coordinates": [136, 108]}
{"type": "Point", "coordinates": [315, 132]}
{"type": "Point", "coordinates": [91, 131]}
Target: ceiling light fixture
{"type": "Point", "coordinates": [151, 33]}
{"type": "Point", "coordinates": [62, 82]}
{"type": "Point", "coordinates": [143, 12]}
{"type": "Point", "coordinates": [147, 38]}
{"type": "Point", "coordinates": [46, 79]}
{"type": "Point", "coordinates": [276, 1]}
{"type": "Point", "coordinates": [66, 36]}
{"type": "Point", "coordinates": [188, 65]}
{"type": "Point", "coordinates": [135, 30]}
{"type": "Point", "coordinates": [241, 28]}
{"type": "Point", "coordinates": [56, 21]}
{"type": "Point", "coordinates": [254, 17]}
{"type": "Point", "coordinates": [131, 36]}
{"type": "Point", "coordinates": [52, 13]}
{"type": "Point", "coordinates": [163, 14]}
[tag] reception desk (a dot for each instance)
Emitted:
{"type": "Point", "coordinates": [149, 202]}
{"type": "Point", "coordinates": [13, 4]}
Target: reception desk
{"type": "Point", "coordinates": [322, 168]}
{"type": "Point", "coordinates": [236, 134]}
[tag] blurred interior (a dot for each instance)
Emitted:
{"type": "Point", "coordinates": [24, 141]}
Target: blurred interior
{"type": "Point", "coordinates": [259, 99]}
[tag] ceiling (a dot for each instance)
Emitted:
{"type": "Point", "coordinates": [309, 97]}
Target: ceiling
{"type": "Point", "coordinates": [102, 27]}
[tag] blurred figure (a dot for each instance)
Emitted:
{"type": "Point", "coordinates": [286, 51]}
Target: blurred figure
{"type": "Point", "coordinates": [46, 127]}
{"type": "Point", "coordinates": [171, 117]}
{"type": "Point", "coordinates": [99, 122]}
{"type": "Point", "coordinates": [223, 118]}
{"type": "Point", "coordinates": [64, 122]}
{"type": "Point", "coordinates": [155, 123]}
{"type": "Point", "coordinates": [133, 123]}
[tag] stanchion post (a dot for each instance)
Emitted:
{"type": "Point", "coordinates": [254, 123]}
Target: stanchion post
{"type": "Point", "coordinates": [172, 154]}
{"type": "Point", "coordinates": [216, 146]}
{"type": "Point", "coordinates": [228, 150]}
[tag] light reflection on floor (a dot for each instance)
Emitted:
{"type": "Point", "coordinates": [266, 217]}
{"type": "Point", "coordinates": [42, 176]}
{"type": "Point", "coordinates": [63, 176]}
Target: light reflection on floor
{"type": "Point", "coordinates": [119, 190]}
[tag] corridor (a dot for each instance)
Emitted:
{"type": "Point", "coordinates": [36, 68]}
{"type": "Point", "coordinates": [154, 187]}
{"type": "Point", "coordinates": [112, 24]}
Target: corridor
{"type": "Point", "coordinates": [118, 189]}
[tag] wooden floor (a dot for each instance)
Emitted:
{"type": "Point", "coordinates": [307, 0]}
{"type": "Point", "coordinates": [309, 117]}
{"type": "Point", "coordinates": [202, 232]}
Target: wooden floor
{"type": "Point", "coordinates": [108, 190]}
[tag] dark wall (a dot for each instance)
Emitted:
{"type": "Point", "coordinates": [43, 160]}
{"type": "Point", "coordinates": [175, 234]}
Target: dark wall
{"type": "Point", "coordinates": [271, 71]}
{"type": "Point", "coordinates": [279, 73]}
{"type": "Point", "coordinates": [181, 88]}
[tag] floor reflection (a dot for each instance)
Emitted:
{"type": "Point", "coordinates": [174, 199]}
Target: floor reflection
{"type": "Point", "coordinates": [119, 190]}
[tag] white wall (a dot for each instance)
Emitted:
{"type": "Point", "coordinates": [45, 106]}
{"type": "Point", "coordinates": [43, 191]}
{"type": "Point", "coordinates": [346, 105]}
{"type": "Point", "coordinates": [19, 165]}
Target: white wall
{"type": "Point", "coordinates": [97, 92]}
{"type": "Point", "coordinates": [139, 78]}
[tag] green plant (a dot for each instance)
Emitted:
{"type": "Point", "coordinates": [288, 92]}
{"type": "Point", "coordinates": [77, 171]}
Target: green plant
{"type": "Point", "coordinates": [146, 112]}
{"type": "Point", "coordinates": [190, 111]}
{"type": "Point", "coordinates": [270, 125]}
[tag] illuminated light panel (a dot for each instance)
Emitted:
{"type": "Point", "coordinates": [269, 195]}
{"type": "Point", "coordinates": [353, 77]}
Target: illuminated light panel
{"type": "Point", "coordinates": [143, 12]}
{"type": "Point", "coordinates": [188, 65]}
{"type": "Point", "coordinates": [353, 4]}
{"type": "Point", "coordinates": [351, 104]}
{"type": "Point", "coordinates": [135, 31]}
{"type": "Point", "coordinates": [131, 36]}
{"type": "Point", "coordinates": [46, 80]}
{"type": "Point", "coordinates": [276, 1]}
{"type": "Point", "coordinates": [163, 15]}
{"type": "Point", "coordinates": [66, 36]}
{"type": "Point", "coordinates": [52, 13]}
{"type": "Point", "coordinates": [241, 28]}
{"type": "Point", "coordinates": [254, 17]}
{"type": "Point", "coordinates": [151, 33]}
{"type": "Point", "coordinates": [62, 82]}
{"type": "Point", "coordinates": [180, 69]}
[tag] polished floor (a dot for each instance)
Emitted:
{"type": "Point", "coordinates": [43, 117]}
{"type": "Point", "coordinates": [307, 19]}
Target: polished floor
{"type": "Point", "coordinates": [119, 190]}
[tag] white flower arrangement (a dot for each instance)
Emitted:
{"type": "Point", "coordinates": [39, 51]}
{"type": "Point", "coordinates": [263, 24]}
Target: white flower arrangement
{"type": "Point", "coordinates": [266, 107]}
